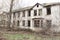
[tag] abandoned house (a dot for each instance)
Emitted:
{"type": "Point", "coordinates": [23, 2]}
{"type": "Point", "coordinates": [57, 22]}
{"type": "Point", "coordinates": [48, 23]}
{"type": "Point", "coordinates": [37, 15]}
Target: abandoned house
{"type": "Point", "coordinates": [37, 17]}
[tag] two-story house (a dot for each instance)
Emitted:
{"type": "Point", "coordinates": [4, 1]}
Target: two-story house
{"type": "Point", "coordinates": [37, 17]}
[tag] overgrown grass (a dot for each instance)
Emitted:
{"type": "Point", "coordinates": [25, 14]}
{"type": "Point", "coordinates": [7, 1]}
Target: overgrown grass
{"type": "Point", "coordinates": [20, 37]}
{"type": "Point", "coordinates": [27, 36]}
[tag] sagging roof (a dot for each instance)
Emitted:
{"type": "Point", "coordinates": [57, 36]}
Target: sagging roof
{"type": "Point", "coordinates": [30, 7]}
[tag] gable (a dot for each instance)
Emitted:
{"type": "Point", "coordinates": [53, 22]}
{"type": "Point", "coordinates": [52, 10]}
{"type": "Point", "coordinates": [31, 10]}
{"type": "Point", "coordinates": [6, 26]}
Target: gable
{"type": "Point", "coordinates": [37, 6]}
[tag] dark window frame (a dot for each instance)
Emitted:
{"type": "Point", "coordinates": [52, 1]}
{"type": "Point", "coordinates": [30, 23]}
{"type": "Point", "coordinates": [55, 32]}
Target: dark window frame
{"type": "Point", "coordinates": [35, 12]}
{"type": "Point", "coordinates": [18, 22]}
{"type": "Point", "coordinates": [39, 12]}
{"type": "Point", "coordinates": [14, 14]}
{"type": "Point", "coordinates": [18, 14]}
{"type": "Point", "coordinates": [48, 10]}
{"type": "Point", "coordinates": [48, 23]}
{"type": "Point", "coordinates": [23, 13]}
{"type": "Point", "coordinates": [29, 13]}
{"type": "Point", "coordinates": [23, 22]}
{"type": "Point", "coordinates": [29, 23]}
{"type": "Point", "coordinates": [36, 23]}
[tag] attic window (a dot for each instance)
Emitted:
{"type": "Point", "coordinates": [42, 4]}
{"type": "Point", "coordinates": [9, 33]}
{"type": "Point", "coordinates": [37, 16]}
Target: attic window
{"type": "Point", "coordinates": [37, 5]}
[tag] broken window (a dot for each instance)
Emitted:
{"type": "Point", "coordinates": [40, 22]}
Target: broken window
{"type": "Point", "coordinates": [48, 11]}
{"type": "Point", "coordinates": [28, 23]}
{"type": "Point", "coordinates": [35, 12]}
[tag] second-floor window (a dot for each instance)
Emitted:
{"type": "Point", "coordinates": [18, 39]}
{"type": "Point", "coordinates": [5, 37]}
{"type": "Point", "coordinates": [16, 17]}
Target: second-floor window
{"type": "Point", "coordinates": [23, 14]}
{"type": "Point", "coordinates": [48, 10]}
{"type": "Point", "coordinates": [35, 12]}
{"type": "Point", "coordinates": [40, 12]}
{"type": "Point", "coordinates": [18, 14]}
{"type": "Point", "coordinates": [29, 13]}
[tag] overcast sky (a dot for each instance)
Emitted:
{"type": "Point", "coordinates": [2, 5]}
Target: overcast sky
{"type": "Point", "coordinates": [22, 3]}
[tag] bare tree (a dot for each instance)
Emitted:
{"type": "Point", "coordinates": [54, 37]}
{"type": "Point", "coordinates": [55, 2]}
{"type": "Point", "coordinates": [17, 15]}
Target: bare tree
{"type": "Point", "coordinates": [10, 12]}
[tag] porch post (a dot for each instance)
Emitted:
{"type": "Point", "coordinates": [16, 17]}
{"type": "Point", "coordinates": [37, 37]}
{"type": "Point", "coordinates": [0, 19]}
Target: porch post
{"type": "Point", "coordinates": [32, 24]}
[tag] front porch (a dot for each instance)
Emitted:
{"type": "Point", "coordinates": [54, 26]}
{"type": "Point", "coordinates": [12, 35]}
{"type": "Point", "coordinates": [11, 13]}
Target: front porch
{"type": "Point", "coordinates": [40, 24]}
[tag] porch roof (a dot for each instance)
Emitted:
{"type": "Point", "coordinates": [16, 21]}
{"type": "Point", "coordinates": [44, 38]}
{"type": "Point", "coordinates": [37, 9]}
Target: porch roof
{"type": "Point", "coordinates": [37, 18]}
